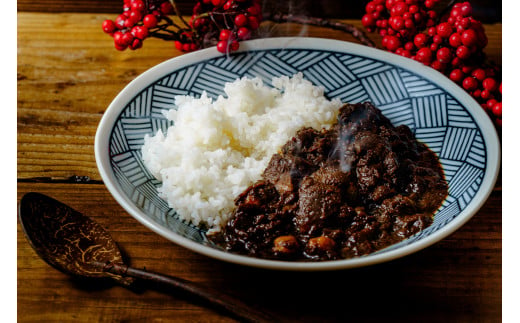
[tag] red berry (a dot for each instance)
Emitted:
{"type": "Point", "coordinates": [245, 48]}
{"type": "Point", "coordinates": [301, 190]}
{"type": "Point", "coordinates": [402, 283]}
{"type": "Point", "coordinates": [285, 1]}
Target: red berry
{"type": "Point", "coordinates": [479, 74]}
{"type": "Point", "coordinates": [469, 83]}
{"type": "Point", "coordinates": [455, 40]}
{"type": "Point", "coordinates": [120, 47]}
{"type": "Point", "coordinates": [252, 22]}
{"type": "Point", "coordinates": [456, 62]}
{"type": "Point", "coordinates": [222, 46]}
{"type": "Point", "coordinates": [392, 43]}
{"type": "Point", "coordinates": [490, 84]}
{"type": "Point", "coordinates": [120, 21]}
{"type": "Point", "coordinates": [127, 38]}
{"type": "Point", "coordinates": [397, 23]}
{"type": "Point", "coordinates": [234, 45]}
{"type": "Point", "coordinates": [178, 45]}
{"type": "Point", "coordinates": [413, 9]}
{"type": "Point", "coordinates": [118, 38]}
{"type": "Point", "coordinates": [390, 3]}
{"type": "Point", "coordinates": [140, 32]}
{"type": "Point", "coordinates": [485, 94]}
{"type": "Point", "coordinates": [228, 5]}
{"type": "Point", "coordinates": [455, 12]}
{"type": "Point", "coordinates": [497, 109]}
{"type": "Point", "coordinates": [491, 103]}
{"type": "Point", "coordinates": [166, 8]}
{"type": "Point", "coordinates": [444, 55]}
{"type": "Point", "coordinates": [424, 55]}
{"type": "Point", "coordinates": [464, 23]}
{"type": "Point", "coordinates": [444, 30]}
{"type": "Point", "coordinates": [405, 53]}
{"type": "Point", "coordinates": [150, 21]}
{"type": "Point", "coordinates": [399, 9]}
{"type": "Point", "coordinates": [463, 52]}
{"type": "Point", "coordinates": [465, 9]}
{"type": "Point", "coordinates": [137, 5]}
{"type": "Point", "coordinates": [368, 21]}
{"type": "Point", "coordinates": [467, 69]}
{"type": "Point", "coordinates": [109, 26]}
{"type": "Point", "coordinates": [370, 7]}
{"type": "Point", "coordinates": [217, 3]}
{"type": "Point", "coordinates": [438, 65]}
{"type": "Point", "coordinates": [420, 40]}
{"type": "Point", "coordinates": [240, 20]}
{"type": "Point", "coordinates": [254, 10]}
{"type": "Point", "coordinates": [243, 33]}
{"type": "Point", "coordinates": [225, 34]}
{"type": "Point", "coordinates": [186, 47]}
{"type": "Point", "coordinates": [469, 37]}
{"type": "Point", "coordinates": [135, 16]}
{"type": "Point", "coordinates": [429, 4]}
{"type": "Point", "coordinates": [456, 75]}
{"type": "Point", "coordinates": [136, 44]}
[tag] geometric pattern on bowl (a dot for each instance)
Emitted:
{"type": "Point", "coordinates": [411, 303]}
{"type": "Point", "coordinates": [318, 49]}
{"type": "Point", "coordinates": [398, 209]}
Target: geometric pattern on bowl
{"type": "Point", "coordinates": [436, 118]}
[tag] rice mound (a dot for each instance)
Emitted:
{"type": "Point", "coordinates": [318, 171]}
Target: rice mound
{"type": "Point", "coordinates": [216, 149]}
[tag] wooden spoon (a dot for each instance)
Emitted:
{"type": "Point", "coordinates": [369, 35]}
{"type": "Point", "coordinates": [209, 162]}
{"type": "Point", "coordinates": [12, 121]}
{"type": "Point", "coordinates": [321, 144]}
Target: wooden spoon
{"type": "Point", "coordinates": [74, 244]}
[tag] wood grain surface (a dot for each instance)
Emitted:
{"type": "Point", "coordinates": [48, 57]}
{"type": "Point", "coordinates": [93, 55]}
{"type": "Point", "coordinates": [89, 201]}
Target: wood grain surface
{"type": "Point", "coordinates": [68, 73]}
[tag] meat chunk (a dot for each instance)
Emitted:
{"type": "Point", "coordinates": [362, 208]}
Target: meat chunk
{"type": "Point", "coordinates": [339, 193]}
{"type": "Point", "coordinates": [317, 201]}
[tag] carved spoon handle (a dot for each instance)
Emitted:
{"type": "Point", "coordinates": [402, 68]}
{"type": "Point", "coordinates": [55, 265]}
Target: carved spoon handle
{"type": "Point", "coordinates": [225, 302]}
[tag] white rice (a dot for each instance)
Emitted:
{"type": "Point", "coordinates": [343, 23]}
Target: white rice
{"type": "Point", "coordinates": [216, 149]}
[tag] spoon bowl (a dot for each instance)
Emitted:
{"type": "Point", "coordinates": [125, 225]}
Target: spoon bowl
{"type": "Point", "coordinates": [67, 240]}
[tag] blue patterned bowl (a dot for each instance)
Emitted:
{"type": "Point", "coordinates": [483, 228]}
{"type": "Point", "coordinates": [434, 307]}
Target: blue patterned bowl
{"type": "Point", "coordinates": [440, 114]}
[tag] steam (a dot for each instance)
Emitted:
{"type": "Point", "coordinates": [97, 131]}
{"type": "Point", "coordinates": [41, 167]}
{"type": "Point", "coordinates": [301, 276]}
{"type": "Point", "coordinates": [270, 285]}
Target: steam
{"type": "Point", "coordinates": [292, 7]}
{"type": "Point", "coordinates": [344, 149]}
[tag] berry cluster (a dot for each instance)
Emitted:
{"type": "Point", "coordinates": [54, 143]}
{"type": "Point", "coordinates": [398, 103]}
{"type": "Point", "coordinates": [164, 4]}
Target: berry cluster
{"type": "Point", "coordinates": [222, 23]}
{"type": "Point", "coordinates": [139, 20]}
{"type": "Point", "coordinates": [214, 22]}
{"type": "Point", "coordinates": [452, 44]}
{"type": "Point", "coordinates": [401, 19]}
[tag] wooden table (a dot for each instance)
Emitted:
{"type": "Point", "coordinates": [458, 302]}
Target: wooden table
{"type": "Point", "coordinates": [68, 73]}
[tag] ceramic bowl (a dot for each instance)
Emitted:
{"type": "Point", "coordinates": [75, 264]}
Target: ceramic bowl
{"type": "Point", "coordinates": [440, 114]}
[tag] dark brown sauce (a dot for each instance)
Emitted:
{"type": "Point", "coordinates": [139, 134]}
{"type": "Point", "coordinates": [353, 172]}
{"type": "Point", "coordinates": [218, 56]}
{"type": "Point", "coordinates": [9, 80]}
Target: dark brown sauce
{"type": "Point", "coordinates": [340, 193]}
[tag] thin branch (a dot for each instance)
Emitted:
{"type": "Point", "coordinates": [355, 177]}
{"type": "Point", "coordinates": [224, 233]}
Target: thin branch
{"type": "Point", "coordinates": [170, 22]}
{"type": "Point", "coordinates": [178, 13]}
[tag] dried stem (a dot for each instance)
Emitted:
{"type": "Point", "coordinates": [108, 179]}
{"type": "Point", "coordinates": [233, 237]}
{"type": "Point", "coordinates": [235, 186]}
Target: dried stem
{"type": "Point", "coordinates": [178, 13]}
{"type": "Point", "coordinates": [171, 22]}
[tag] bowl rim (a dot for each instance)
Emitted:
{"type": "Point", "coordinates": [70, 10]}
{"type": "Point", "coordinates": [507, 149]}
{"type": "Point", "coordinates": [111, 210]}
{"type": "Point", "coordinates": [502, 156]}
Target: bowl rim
{"type": "Point", "coordinates": [160, 70]}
